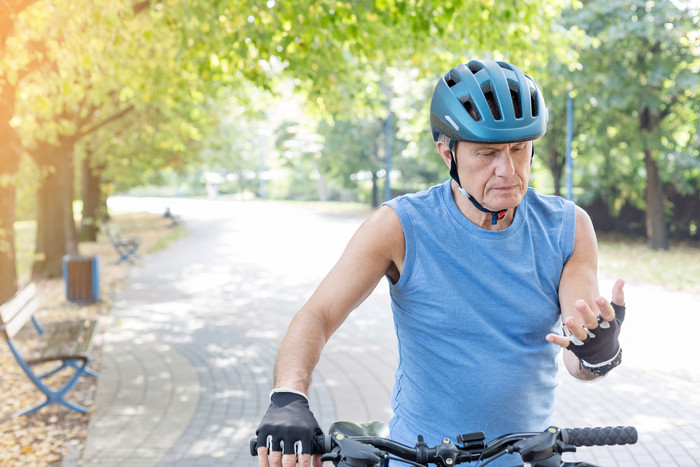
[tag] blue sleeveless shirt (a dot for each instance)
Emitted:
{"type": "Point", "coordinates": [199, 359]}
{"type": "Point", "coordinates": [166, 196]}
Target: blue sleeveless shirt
{"type": "Point", "coordinates": [471, 310]}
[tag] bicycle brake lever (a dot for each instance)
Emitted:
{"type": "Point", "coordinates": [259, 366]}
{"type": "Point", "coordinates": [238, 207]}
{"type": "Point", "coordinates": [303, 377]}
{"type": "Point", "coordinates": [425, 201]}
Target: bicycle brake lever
{"type": "Point", "coordinates": [355, 453]}
{"type": "Point", "coordinates": [536, 447]}
{"type": "Point", "coordinates": [333, 456]}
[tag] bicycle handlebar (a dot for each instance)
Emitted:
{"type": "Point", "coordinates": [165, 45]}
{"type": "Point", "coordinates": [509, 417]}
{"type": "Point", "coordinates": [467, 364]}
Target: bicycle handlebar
{"type": "Point", "coordinates": [540, 449]}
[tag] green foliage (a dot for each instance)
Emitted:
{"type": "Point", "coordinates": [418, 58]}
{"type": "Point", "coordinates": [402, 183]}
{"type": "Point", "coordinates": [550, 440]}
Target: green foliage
{"type": "Point", "coordinates": [637, 90]}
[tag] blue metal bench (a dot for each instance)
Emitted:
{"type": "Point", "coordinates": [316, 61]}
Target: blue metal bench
{"type": "Point", "coordinates": [125, 247]}
{"type": "Point", "coordinates": [174, 219]}
{"type": "Point", "coordinates": [67, 343]}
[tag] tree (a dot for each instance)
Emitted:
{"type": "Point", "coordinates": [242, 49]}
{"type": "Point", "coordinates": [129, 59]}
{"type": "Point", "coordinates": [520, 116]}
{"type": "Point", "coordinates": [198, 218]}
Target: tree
{"type": "Point", "coordinates": [638, 72]}
{"type": "Point", "coordinates": [88, 90]}
{"type": "Point", "coordinates": [13, 69]}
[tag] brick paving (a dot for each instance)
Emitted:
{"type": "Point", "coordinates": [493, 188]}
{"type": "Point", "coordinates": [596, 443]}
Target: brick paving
{"type": "Point", "coordinates": [188, 356]}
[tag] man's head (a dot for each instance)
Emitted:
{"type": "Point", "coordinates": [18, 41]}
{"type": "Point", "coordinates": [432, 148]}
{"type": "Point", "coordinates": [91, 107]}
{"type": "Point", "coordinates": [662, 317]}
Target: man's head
{"type": "Point", "coordinates": [490, 107]}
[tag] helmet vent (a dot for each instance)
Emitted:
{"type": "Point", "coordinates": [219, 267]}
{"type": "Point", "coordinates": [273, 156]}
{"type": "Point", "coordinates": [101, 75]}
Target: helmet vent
{"type": "Point", "coordinates": [491, 98]}
{"type": "Point", "coordinates": [475, 66]}
{"type": "Point", "coordinates": [515, 97]}
{"type": "Point", "coordinates": [452, 79]}
{"type": "Point", "coordinates": [534, 101]}
{"type": "Point", "coordinates": [469, 106]}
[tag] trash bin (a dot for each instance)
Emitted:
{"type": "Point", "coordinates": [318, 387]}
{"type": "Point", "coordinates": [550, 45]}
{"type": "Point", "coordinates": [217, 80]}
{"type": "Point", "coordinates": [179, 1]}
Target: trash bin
{"type": "Point", "coordinates": [81, 276]}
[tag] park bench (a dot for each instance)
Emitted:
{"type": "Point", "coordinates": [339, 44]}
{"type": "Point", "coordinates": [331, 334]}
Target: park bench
{"type": "Point", "coordinates": [174, 219]}
{"type": "Point", "coordinates": [125, 247]}
{"type": "Point", "coordinates": [67, 343]}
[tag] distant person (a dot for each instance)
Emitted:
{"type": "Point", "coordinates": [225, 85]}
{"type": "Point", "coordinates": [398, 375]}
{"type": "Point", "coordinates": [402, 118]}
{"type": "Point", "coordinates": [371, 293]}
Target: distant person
{"type": "Point", "coordinates": [484, 273]}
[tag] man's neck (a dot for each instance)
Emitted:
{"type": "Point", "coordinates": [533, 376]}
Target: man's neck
{"type": "Point", "coordinates": [477, 217]}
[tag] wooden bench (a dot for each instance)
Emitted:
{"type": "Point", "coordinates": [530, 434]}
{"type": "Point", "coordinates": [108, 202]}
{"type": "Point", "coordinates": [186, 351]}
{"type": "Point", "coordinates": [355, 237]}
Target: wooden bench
{"type": "Point", "coordinates": [125, 247]}
{"type": "Point", "coordinates": [67, 343]}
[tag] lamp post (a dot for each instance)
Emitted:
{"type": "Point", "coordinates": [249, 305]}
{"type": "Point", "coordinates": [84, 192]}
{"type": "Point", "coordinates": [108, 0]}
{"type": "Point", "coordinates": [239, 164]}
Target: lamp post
{"type": "Point", "coordinates": [569, 137]}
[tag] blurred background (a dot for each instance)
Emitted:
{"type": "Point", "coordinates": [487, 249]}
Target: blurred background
{"type": "Point", "coordinates": [327, 100]}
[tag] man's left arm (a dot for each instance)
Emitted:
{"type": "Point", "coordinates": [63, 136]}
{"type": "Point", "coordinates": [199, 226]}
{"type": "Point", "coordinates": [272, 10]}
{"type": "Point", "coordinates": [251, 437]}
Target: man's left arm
{"type": "Point", "coordinates": [591, 347]}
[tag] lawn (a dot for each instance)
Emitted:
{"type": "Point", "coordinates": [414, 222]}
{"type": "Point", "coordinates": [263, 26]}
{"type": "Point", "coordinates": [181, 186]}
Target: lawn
{"type": "Point", "coordinates": [677, 268]}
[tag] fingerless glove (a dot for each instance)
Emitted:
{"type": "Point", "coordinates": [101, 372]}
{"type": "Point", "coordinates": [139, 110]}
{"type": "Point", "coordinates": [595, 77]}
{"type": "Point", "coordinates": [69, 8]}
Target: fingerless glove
{"type": "Point", "coordinates": [601, 352]}
{"type": "Point", "coordinates": [288, 425]}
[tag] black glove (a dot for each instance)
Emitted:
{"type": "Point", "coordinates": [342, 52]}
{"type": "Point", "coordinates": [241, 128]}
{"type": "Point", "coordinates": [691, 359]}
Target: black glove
{"type": "Point", "coordinates": [601, 352]}
{"type": "Point", "coordinates": [287, 423]}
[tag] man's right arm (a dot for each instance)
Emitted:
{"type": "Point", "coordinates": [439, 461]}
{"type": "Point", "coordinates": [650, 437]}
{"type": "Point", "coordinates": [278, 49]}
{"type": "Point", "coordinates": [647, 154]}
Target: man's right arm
{"type": "Point", "coordinates": [376, 249]}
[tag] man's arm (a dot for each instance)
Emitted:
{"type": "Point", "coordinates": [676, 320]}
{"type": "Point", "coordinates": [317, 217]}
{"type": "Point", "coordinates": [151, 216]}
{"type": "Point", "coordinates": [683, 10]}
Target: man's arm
{"type": "Point", "coordinates": [376, 249]}
{"type": "Point", "coordinates": [579, 296]}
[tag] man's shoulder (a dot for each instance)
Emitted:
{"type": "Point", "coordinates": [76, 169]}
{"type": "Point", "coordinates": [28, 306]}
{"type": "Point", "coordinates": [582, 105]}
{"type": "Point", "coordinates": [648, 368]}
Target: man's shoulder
{"type": "Point", "coordinates": [536, 198]}
{"type": "Point", "coordinates": [426, 195]}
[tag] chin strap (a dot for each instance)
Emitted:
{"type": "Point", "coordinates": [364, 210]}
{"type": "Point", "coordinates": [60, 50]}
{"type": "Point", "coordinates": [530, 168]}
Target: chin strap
{"type": "Point", "coordinates": [495, 215]}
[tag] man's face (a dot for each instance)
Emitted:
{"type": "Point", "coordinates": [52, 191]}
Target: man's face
{"type": "Point", "coordinates": [496, 175]}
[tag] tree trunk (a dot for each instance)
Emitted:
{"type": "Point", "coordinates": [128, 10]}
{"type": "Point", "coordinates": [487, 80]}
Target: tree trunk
{"type": "Point", "coordinates": [10, 151]}
{"type": "Point", "coordinates": [375, 190]}
{"type": "Point", "coordinates": [556, 167]}
{"type": "Point", "coordinates": [55, 231]}
{"type": "Point", "coordinates": [657, 235]}
{"type": "Point", "coordinates": [92, 200]}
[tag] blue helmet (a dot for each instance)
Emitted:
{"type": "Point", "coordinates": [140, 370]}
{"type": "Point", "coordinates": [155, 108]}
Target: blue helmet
{"type": "Point", "coordinates": [487, 101]}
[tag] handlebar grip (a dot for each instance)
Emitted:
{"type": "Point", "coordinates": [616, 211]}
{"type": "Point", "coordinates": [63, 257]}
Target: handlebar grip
{"type": "Point", "coordinates": [601, 436]}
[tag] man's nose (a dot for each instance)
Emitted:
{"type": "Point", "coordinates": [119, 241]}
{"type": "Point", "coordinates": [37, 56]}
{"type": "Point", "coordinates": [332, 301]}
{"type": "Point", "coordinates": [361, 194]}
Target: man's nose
{"type": "Point", "coordinates": [505, 165]}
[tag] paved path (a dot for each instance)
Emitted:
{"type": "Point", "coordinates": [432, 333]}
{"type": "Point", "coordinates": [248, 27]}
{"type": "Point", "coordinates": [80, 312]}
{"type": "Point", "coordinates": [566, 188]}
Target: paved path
{"type": "Point", "coordinates": [188, 353]}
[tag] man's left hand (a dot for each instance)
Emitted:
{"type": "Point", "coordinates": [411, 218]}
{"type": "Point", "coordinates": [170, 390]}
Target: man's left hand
{"type": "Point", "coordinates": [593, 338]}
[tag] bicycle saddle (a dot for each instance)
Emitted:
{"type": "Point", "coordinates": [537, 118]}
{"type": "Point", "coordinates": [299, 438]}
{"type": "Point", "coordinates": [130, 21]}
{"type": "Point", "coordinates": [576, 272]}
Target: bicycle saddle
{"type": "Point", "coordinates": [379, 429]}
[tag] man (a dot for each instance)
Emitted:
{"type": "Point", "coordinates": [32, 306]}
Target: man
{"type": "Point", "coordinates": [483, 273]}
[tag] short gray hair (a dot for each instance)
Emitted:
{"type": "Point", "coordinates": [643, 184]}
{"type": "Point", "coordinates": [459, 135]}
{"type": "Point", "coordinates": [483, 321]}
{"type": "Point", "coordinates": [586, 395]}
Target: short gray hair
{"type": "Point", "coordinates": [442, 137]}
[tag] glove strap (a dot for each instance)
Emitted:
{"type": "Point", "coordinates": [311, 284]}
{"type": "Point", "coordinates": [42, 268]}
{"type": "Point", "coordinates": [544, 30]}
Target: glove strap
{"type": "Point", "coordinates": [288, 390]}
{"type": "Point", "coordinates": [602, 368]}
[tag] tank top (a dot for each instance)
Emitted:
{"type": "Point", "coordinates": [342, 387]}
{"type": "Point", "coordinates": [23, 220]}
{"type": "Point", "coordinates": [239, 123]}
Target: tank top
{"type": "Point", "coordinates": [471, 311]}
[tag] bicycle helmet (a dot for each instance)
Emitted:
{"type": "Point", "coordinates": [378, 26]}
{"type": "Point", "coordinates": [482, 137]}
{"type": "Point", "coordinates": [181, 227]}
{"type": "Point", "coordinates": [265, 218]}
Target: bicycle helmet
{"type": "Point", "coordinates": [487, 101]}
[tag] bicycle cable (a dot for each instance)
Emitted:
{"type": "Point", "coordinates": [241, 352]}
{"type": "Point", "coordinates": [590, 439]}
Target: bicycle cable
{"type": "Point", "coordinates": [500, 454]}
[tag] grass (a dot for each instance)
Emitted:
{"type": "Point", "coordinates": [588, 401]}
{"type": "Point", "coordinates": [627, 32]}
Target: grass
{"type": "Point", "coordinates": [677, 268]}
{"type": "Point", "coordinates": [145, 226]}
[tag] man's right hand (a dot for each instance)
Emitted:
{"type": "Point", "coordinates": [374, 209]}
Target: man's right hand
{"type": "Point", "coordinates": [286, 431]}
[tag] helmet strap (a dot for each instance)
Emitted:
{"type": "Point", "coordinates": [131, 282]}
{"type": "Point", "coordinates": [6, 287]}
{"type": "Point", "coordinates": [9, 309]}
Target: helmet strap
{"type": "Point", "coordinates": [495, 215]}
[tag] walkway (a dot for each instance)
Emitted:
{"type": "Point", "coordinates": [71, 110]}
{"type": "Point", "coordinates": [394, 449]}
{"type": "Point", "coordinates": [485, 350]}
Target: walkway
{"type": "Point", "coordinates": [189, 351]}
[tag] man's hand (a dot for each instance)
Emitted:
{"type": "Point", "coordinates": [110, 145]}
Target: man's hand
{"type": "Point", "coordinates": [286, 431]}
{"type": "Point", "coordinates": [593, 338]}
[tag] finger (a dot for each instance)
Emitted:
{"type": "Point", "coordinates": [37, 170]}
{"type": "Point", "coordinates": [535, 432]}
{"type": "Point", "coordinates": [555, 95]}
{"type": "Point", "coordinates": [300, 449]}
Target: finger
{"type": "Point", "coordinates": [317, 461]}
{"type": "Point", "coordinates": [575, 328]}
{"type": "Point", "coordinates": [607, 312]}
{"type": "Point", "coordinates": [290, 460]}
{"type": "Point", "coordinates": [618, 293]}
{"type": "Point", "coordinates": [275, 458]}
{"type": "Point", "coordinates": [304, 460]}
{"type": "Point", "coordinates": [559, 340]}
{"type": "Point", "coordinates": [587, 317]}
{"type": "Point", "coordinates": [262, 457]}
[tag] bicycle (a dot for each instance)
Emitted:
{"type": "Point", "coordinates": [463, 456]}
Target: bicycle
{"type": "Point", "coordinates": [353, 445]}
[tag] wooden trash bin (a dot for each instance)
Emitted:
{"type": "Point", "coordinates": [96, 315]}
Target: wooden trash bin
{"type": "Point", "coordinates": [81, 276]}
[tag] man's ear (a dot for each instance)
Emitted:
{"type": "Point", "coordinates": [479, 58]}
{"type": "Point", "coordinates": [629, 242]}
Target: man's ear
{"type": "Point", "coordinates": [444, 151]}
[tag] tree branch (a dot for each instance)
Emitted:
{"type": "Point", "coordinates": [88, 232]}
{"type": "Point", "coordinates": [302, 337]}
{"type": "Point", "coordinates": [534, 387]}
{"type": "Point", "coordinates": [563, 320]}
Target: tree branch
{"type": "Point", "coordinates": [141, 6]}
{"type": "Point", "coordinates": [104, 122]}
